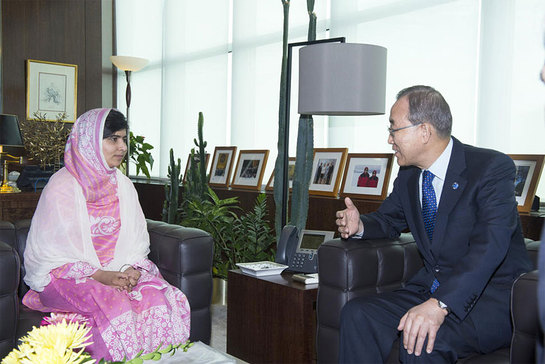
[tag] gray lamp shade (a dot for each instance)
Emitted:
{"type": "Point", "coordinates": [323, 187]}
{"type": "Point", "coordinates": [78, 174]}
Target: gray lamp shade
{"type": "Point", "coordinates": [10, 134]}
{"type": "Point", "coordinates": [342, 79]}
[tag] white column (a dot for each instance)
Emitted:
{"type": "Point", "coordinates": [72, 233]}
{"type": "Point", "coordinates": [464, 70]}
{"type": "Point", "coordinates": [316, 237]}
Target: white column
{"type": "Point", "coordinates": [493, 122]}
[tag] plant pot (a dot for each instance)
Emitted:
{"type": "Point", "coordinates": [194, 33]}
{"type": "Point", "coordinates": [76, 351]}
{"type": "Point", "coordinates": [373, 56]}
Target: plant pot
{"type": "Point", "coordinates": [219, 291]}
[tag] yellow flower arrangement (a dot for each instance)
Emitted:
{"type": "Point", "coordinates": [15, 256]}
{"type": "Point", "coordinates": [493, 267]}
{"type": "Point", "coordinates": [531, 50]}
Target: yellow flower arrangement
{"type": "Point", "coordinates": [60, 343]}
{"type": "Point", "coordinates": [62, 340]}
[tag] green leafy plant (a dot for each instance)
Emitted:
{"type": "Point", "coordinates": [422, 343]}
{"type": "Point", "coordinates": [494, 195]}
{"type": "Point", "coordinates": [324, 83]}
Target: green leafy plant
{"type": "Point", "coordinates": [217, 217]}
{"type": "Point", "coordinates": [140, 155]}
{"type": "Point", "coordinates": [247, 238]}
{"type": "Point", "coordinates": [253, 238]}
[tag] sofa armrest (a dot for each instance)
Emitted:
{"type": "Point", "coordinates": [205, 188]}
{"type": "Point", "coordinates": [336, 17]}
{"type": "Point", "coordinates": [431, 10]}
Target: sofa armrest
{"type": "Point", "coordinates": [184, 258]}
{"type": "Point", "coordinates": [353, 268]}
{"type": "Point", "coordinates": [9, 300]}
{"type": "Point", "coordinates": [524, 313]}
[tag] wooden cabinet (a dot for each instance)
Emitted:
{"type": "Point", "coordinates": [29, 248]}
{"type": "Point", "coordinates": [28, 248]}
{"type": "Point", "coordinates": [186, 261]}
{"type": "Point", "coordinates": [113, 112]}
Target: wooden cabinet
{"type": "Point", "coordinates": [271, 319]}
{"type": "Point", "coordinates": [18, 206]}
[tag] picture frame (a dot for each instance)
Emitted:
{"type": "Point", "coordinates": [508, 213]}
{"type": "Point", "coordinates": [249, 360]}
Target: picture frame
{"type": "Point", "coordinates": [222, 166]}
{"type": "Point", "coordinates": [291, 173]}
{"type": "Point", "coordinates": [357, 183]}
{"type": "Point", "coordinates": [327, 170]}
{"type": "Point", "coordinates": [51, 89]}
{"type": "Point", "coordinates": [250, 169]}
{"type": "Point", "coordinates": [528, 173]}
{"type": "Point", "coordinates": [188, 164]}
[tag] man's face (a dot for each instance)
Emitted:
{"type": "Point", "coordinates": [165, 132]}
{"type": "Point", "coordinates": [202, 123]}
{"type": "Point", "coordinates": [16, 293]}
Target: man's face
{"type": "Point", "coordinates": [406, 142]}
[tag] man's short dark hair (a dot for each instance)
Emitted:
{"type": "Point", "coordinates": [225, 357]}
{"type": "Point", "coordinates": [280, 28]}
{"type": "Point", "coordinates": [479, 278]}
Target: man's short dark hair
{"type": "Point", "coordinates": [426, 104]}
{"type": "Point", "coordinates": [115, 121]}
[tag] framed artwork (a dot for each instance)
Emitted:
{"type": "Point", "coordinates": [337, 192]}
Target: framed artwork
{"type": "Point", "coordinates": [188, 164]}
{"type": "Point", "coordinates": [291, 172]}
{"type": "Point", "coordinates": [327, 168]}
{"type": "Point", "coordinates": [250, 169]}
{"type": "Point", "coordinates": [529, 168]}
{"type": "Point", "coordinates": [367, 175]}
{"type": "Point", "coordinates": [222, 164]}
{"type": "Point", "coordinates": [51, 90]}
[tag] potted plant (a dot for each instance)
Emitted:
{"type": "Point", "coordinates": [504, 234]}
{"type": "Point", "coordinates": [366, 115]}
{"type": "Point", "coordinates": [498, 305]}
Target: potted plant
{"type": "Point", "coordinates": [238, 237]}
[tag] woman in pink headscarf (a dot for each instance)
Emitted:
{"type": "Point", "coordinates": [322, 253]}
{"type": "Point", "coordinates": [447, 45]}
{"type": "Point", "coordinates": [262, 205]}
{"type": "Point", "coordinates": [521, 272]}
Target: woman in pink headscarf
{"type": "Point", "coordinates": [87, 248]}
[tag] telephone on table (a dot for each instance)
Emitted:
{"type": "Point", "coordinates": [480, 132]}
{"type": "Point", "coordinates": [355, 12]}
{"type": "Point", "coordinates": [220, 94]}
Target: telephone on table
{"type": "Point", "coordinates": [299, 250]}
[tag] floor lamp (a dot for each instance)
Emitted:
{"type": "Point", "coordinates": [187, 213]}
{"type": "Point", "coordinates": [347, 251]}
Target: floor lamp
{"type": "Point", "coordinates": [129, 65]}
{"type": "Point", "coordinates": [335, 78]}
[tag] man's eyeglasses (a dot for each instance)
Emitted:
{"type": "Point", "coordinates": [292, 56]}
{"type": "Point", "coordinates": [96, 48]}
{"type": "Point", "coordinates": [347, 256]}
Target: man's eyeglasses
{"type": "Point", "coordinates": [392, 131]}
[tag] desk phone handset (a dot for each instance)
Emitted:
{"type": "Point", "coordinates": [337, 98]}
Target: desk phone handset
{"type": "Point", "coordinates": [300, 250]}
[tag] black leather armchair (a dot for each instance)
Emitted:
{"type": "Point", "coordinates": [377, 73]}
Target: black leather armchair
{"type": "Point", "coordinates": [350, 269]}
{"type": "Point", "coordinates": [183, 255]}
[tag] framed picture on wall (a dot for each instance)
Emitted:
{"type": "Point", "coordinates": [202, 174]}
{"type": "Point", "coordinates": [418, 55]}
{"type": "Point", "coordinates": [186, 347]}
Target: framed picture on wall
{"type": "Point", "coordinates": [51, 90]}
{"type": "Point", "coordinates": [188, 164]}
{"type": "Point", "coordinates": [222, 164]}
{"type": "Point", "coordinates": [327, 168]}
{"type": "Point", "coordinates": [367, 175]}
{"type": "Point", "coordinates": [291, 173]}
{"type": "Point", "coordinates": [250, 169]}
{"type": "Point", "coordinates": [529, 168]}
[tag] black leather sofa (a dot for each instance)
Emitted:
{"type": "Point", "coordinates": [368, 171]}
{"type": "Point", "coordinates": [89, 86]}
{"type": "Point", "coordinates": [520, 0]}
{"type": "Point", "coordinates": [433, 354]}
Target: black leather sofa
{"type": "Point", "coordinates": [183, 255]}
{"type": "Point", "coordinates": [350, 269]}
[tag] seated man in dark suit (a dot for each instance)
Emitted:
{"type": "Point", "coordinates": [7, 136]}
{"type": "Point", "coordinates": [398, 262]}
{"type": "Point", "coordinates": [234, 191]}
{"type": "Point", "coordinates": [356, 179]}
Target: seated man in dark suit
{"type": "Point", "coordinates": [458, 202]}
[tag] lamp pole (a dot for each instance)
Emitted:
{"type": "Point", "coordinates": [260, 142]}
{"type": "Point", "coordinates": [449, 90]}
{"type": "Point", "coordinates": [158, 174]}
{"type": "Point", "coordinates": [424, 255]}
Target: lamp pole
{"type": "Point", "coordinates": [285, 170]}
{"type": "Point", "coordinates": [128, 64]}
{"type": "Point", "coordinates": [128, 101]}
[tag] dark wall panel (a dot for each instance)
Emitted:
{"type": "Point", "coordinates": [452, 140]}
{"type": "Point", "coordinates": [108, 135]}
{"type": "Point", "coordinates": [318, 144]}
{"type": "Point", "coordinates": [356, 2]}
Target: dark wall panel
{"type": "Point", "coordinates": [65, 31]}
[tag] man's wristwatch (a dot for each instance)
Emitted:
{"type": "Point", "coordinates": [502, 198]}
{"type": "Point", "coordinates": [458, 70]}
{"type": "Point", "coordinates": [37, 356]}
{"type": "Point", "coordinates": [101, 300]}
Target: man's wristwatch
{"type": "Point", "coordinates": [443, 306]}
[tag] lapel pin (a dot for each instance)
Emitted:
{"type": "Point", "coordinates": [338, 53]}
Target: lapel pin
{"type": "Point", "coordinates": [455, 186]}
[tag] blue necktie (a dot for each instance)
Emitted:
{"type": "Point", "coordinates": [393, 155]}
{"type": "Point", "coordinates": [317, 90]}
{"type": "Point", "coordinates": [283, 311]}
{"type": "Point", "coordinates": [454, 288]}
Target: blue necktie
{"type": "Point", "coordinates": [429, 204]}
{"type": "Point", "coordinates": [429, 210]}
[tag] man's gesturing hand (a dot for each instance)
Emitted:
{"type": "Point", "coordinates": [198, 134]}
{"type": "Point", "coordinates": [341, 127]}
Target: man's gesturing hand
{"type": "Point", "coordinates": [421, 321]}
{"type": "Point", "coordinates": [348, 220]}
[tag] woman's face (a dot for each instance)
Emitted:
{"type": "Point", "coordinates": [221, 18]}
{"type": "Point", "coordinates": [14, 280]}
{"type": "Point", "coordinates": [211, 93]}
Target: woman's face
{"type": "Point", "coordinates": [114, 148]}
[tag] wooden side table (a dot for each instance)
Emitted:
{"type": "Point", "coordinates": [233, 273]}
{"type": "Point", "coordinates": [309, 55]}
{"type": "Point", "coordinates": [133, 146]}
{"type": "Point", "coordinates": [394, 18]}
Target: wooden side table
{"type": "Point", "coordinates": [271, 319]}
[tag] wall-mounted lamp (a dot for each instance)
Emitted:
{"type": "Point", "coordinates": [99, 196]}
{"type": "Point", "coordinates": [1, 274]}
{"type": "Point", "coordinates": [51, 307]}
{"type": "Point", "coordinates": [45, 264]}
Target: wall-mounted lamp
{"type": "Point", "coordinates": [128, 64]}
{"type": "Point", "coordinates": [335, 78]}
{"type": "Point", "coordinates": [10, 136]}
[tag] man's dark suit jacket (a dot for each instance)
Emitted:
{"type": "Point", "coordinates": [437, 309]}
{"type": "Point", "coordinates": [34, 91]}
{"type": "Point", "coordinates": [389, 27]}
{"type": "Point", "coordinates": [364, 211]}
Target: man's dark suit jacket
{"type": "Point", "coordinates": [478, 248]}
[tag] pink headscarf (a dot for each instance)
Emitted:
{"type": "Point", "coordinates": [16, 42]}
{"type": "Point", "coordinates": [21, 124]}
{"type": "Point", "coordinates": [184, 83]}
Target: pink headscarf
{"type": "Point", "coordinates": [84, 160]}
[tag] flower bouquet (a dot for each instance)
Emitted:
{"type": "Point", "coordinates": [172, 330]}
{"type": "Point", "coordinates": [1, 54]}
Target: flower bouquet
{"type": "Point", "coordinates": [61, 342]}
{"type": "Point", "coordinates": [62, 339]}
